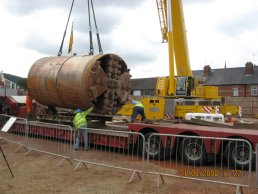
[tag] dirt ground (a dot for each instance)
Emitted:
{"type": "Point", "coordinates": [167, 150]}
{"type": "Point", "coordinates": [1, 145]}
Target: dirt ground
{"type": "Point", "coordinates": [40, 174]}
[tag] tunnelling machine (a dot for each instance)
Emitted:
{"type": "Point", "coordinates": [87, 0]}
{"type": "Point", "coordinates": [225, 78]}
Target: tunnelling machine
{"type": "Point", "coordinates": [101, 81]}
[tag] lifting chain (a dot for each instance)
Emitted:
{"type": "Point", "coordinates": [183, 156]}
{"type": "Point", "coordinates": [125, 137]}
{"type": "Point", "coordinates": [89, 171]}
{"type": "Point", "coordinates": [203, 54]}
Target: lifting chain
{"type": "Point", "coordinates": [62, 43]}
{"type": "Point", "coordinates": [90, 7]}
{"type": "Point", "coordinates": [90, 29]}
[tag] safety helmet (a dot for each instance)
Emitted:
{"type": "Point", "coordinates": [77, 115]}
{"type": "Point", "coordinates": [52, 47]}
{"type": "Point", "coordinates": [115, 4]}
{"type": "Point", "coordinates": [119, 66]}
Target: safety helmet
{"type": "Point", "coordinates": [77, 110]}
{"type": "Point", "coordinates": [134, 102]}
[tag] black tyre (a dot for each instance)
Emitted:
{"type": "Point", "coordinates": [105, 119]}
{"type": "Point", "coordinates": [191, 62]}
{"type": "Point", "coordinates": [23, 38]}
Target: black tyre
{"type": "Point", "coordinates": [238, 155]}
{"type": "Point", "coordinates": [153, 147]}
{"type": "Point", "coordinates": [192, 151]}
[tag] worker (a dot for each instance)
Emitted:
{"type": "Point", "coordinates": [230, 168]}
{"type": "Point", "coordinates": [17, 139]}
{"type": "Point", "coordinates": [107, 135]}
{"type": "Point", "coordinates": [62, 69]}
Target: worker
{"type": "Point", "coordinates": [28, 104]}
{"type": "Point", "coordinates": [228, 118]}
{"type": "Point", "coordinates": [138, 109]}
{"type": "Point", "coordinates": [80, 126]}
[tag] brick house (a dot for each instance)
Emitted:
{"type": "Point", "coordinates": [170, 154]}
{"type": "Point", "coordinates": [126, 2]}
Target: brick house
{"type": "Point", "coordinates": [144, 86]}
{"type": "Point", "coordinates": [8, 84]}
{"type": "Point", "coordinates": [232, 82]}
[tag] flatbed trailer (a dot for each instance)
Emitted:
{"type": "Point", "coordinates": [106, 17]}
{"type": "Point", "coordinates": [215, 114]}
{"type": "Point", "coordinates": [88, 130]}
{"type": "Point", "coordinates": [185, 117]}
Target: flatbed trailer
{"type": "Point", "coordinates": [182, 131]}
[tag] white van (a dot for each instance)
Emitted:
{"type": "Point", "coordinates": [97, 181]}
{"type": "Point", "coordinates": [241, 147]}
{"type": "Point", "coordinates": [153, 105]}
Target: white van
{"type": "Point", "coordinates": [205, 117]}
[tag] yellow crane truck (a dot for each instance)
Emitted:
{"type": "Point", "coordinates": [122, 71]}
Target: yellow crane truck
{"type": "Point", "coordinates": [178, 94]}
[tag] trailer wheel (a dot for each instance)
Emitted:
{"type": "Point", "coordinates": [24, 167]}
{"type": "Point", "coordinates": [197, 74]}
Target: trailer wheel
{"type": "Point", "coordinates": [238, 155]}
{"type": "Point", "coordinates": [154, 148]}
{"type": "Point", "coordinates": [192, 151]}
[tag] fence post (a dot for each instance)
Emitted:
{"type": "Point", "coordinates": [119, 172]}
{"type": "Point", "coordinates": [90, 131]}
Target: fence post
{"type": "Point", "coordinates": [256, 151]}
{"type": "Point", "coordinates": [239, 190]}
{"type": "Point", "coordinates": [26, 133]}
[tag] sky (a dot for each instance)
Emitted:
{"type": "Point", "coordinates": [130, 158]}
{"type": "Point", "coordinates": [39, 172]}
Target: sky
{"type": "Point", "coordinates": [218, 32]}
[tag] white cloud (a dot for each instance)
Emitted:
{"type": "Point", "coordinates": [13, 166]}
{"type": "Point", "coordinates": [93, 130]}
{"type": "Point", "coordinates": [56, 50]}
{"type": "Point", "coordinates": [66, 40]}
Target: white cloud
{"type": "Point", "coordinates": [19, 33]}
{"type": "Point", "coordinates": [217, 31]}
{"type": "Point", "coordinates": [139, 32]}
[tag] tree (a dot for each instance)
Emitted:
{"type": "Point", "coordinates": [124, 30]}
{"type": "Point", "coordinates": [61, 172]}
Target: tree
{"type": "Point", "coordinates": [22, 82]}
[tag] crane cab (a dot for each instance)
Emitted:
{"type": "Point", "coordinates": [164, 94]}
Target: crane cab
{"type": "Point", "coordinates": [184, 86]}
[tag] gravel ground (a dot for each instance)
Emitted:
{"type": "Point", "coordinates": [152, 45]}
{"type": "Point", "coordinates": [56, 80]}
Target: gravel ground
{"type": "Point", "coordinates": [39, 173]}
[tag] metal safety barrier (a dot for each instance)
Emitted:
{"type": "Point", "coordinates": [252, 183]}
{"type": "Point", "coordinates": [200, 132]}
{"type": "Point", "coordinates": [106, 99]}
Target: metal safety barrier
{"type": "Point", "coordinates": [13, 129]}
{"type": "Point", "coordinates": [54, 139]}
{"type": "Point", "coordinates": [256, 163]}
{"type": "Point", "coordinates": [215, 160]}
{"type": "Point", "coordinates": [113, 149]}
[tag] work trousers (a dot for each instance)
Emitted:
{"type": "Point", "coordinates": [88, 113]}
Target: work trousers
{"type": "Point", "coordinates": [84, 132]}
{"type": "Point", "coordinates": [136, 111]}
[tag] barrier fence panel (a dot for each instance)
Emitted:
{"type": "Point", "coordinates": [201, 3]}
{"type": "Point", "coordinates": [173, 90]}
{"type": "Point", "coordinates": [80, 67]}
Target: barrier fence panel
{"type": "Point", "coordinates": [54, 139]}
{"type": "Point", "coordinates": [13, 129]}
{"type": "Point", "coordinates": [114, 149]}
{"type": "Point", "coordinates": [256, 163]}
{"type": "Point", "coordinates": [217, 160]}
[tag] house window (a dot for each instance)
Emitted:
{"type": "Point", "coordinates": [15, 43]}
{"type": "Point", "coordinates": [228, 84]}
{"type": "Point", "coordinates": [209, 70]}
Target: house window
{"type": "Point", "coordinates": [137, 92]}
{"type": "Point", "coordinates": [235, 92]}
{"type": "Point", "coordinates": [13, 85]}
{"type": "Point", "coordinates": [152, 92]}
{"type": "Point", "coordinates": [146, 92]}
{"type": "Point", "coordinates": [7, 84]}
{"type": "Point", "coordinates": [254, 91]}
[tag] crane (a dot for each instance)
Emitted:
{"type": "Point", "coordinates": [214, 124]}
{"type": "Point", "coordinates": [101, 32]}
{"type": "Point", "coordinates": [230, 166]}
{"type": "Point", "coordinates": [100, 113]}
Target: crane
{"type": "Point", "coordinates": [172, 26]}
{"type": "Point", "coordinates": [178, 94]}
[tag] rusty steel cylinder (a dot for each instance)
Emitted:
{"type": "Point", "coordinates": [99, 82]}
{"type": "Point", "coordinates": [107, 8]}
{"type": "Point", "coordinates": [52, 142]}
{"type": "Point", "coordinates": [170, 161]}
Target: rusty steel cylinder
{"type": "Point", "coordinates": [99, 81]}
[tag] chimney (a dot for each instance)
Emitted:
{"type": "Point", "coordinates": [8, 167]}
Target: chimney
{"type": "Point", "coordinates": [206, 71]}
{"type": "Point", "coordinates": [249, 68]}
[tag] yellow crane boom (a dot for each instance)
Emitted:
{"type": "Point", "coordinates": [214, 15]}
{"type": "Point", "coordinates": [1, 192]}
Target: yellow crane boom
{"type": "Point", "coordinates": [172, 25]}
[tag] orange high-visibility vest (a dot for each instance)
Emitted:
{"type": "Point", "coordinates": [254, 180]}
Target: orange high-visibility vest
{"type": "Point", "coordinates": [28, 103]}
